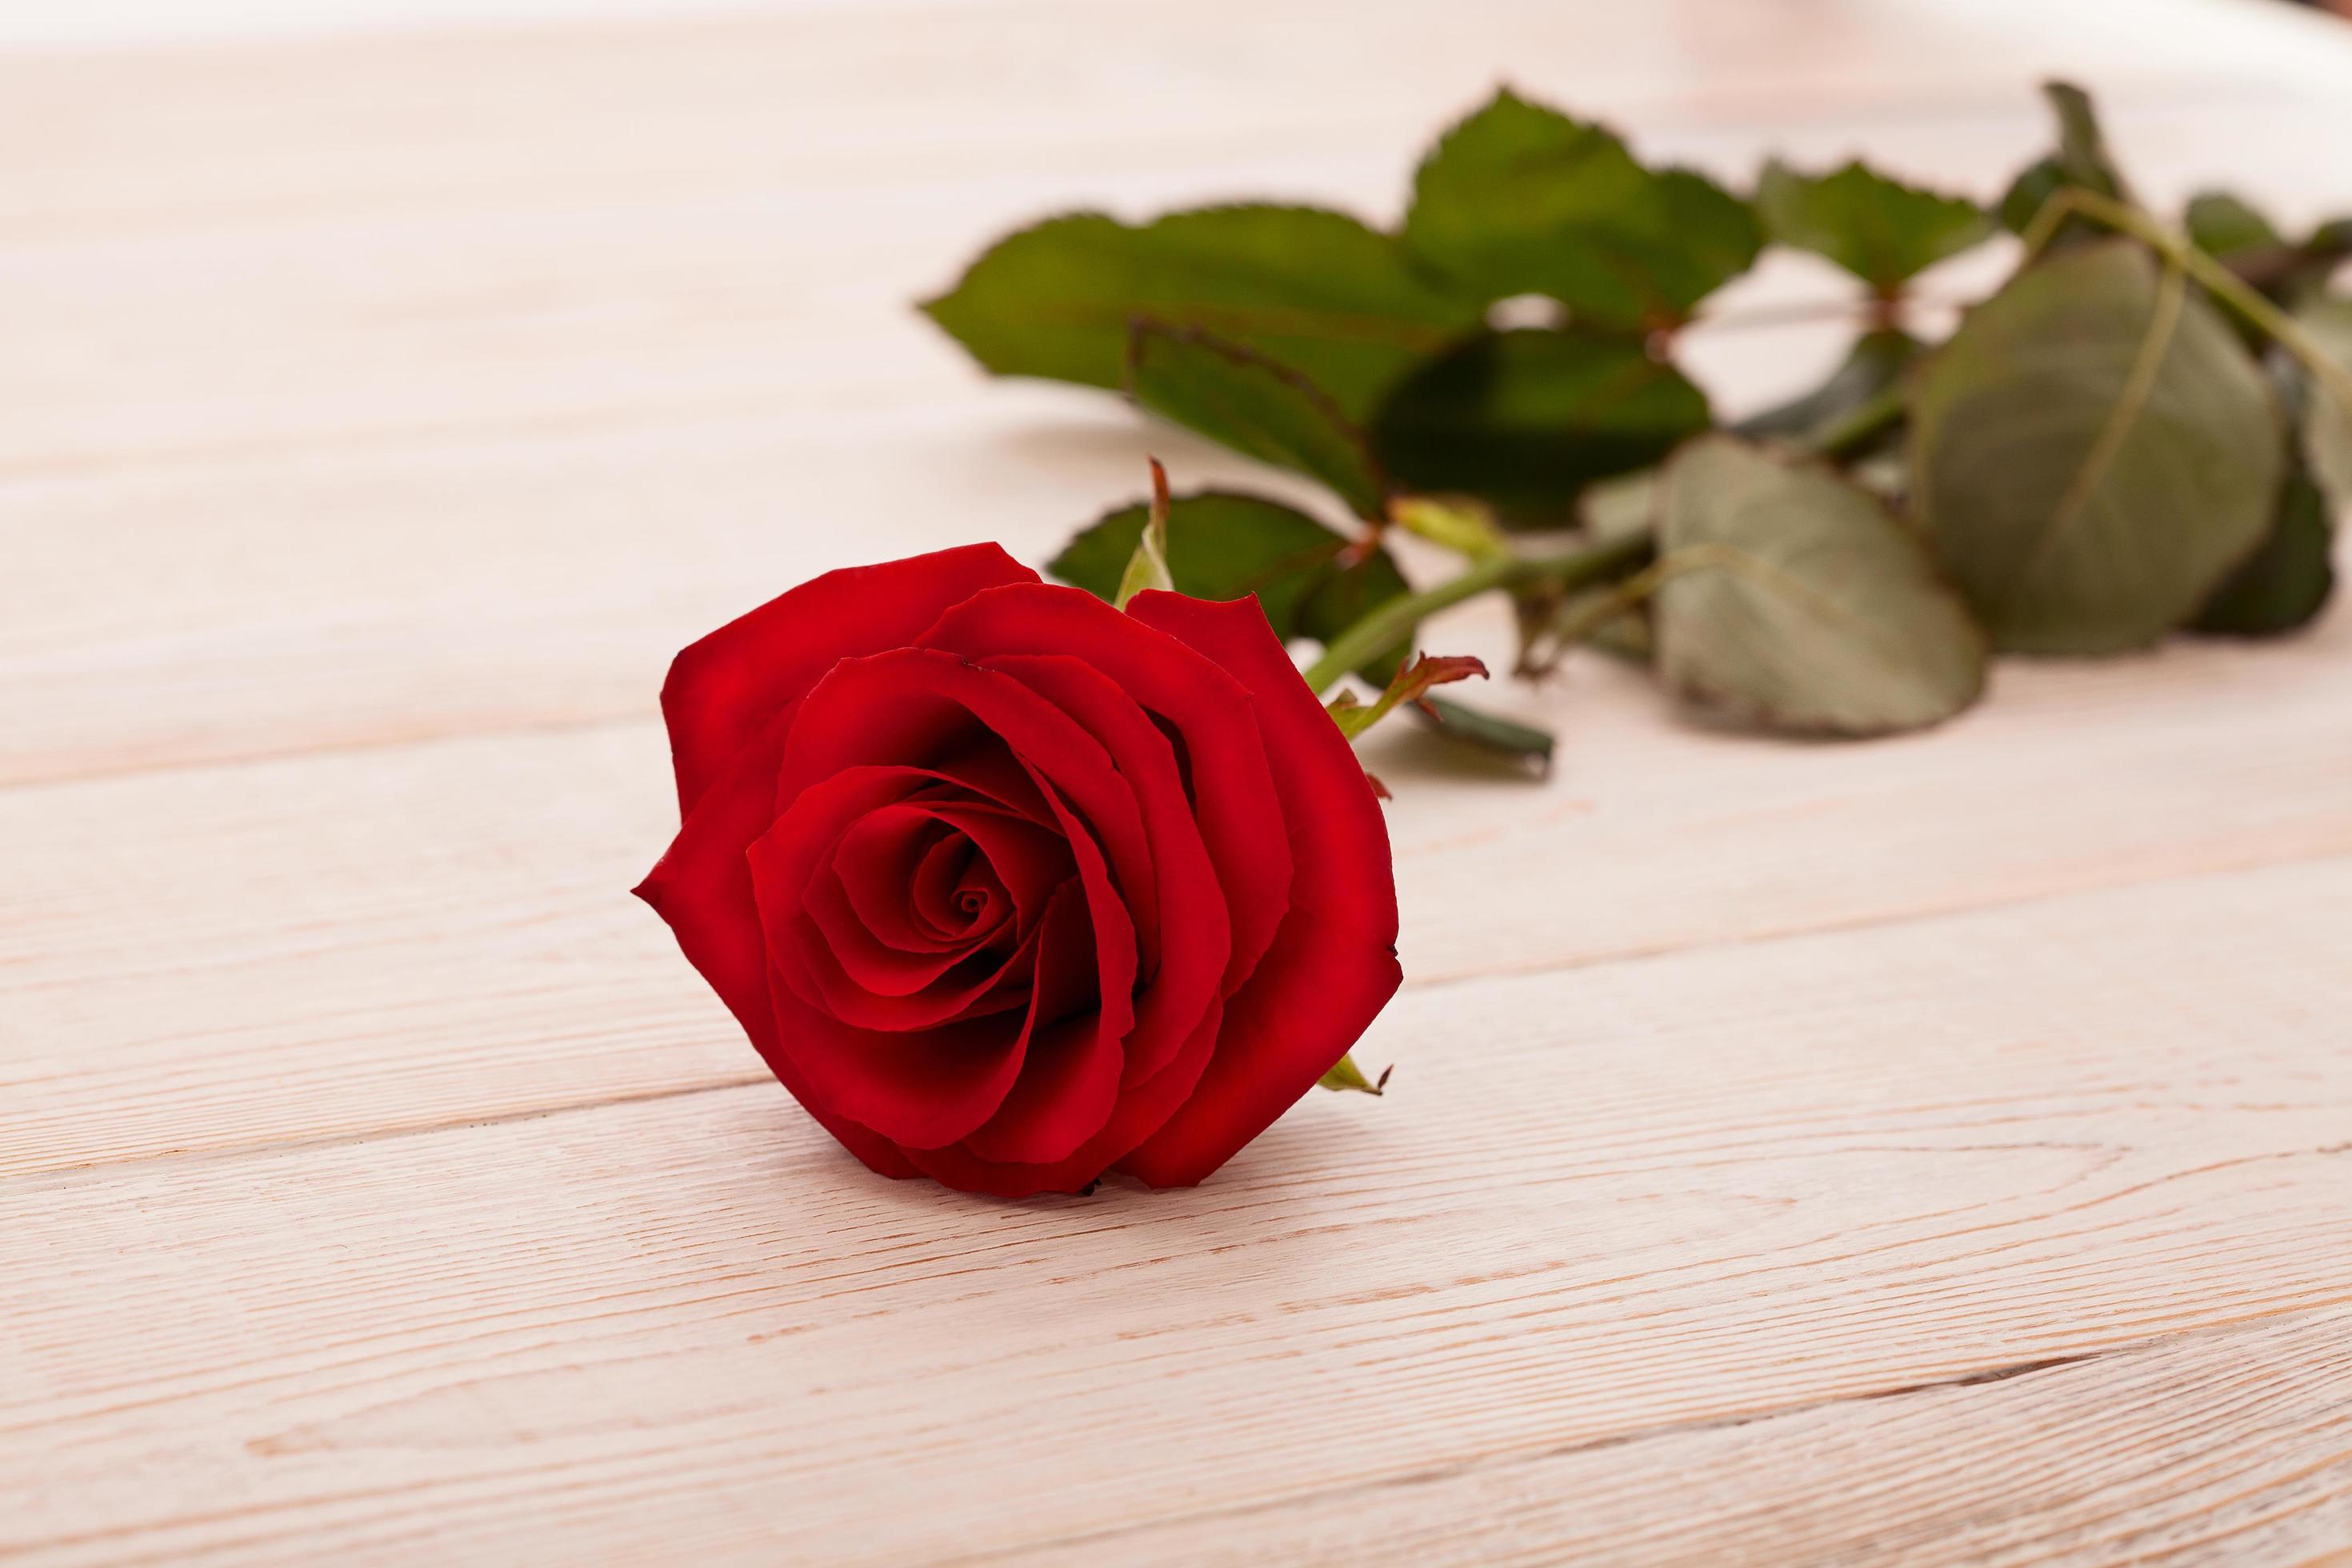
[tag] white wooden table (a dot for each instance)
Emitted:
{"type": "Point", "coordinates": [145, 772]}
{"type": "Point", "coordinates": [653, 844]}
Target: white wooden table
{"type": "Point", "coordinates": [1933, 1150]}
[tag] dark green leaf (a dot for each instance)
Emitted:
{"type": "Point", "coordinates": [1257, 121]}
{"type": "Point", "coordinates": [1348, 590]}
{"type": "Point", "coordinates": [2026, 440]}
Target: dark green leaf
{"type": "Point", "coordinates": [1521, 199]}
{"type": "Point", "coordinates": [1314, 290]}
{"type": "Point", "coordinates": [1311, 582]}
{"type": "Point", "coordinates": [1524, 420]}
{"type": "Point", "coordinates": [1255, 406]}
{"type": "Point", "coordinates": [1504, 736]}
{"type": "Point", "coordinates": [2223, 226]}
{"type": "Point", "coordinates": [2294, 274]}
{"type": "Point", "coordinates": [2093, 451]}
{"type": "Point", "coordinates": [1792, 599]}
{"type": "Point", "coordinates": [2082, 158]}
{"type": "Point", "coordinates": [2033, 188]}
{"type": "Point", "coordinates": [2287, 580]}
{"type": "Point", "coordinates": [1881, 230]}
{"type": "Point", "coordinates": [1873, 367]}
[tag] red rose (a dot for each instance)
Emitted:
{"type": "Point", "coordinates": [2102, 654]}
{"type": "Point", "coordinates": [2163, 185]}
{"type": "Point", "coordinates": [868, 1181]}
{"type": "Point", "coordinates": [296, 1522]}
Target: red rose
{"type": "Point", "coordinates": [1010, 888]}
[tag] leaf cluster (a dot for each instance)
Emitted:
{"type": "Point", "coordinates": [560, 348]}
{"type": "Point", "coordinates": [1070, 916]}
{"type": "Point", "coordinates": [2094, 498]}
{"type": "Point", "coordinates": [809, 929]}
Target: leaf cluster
{"type": "Point", "coordinates": [2145, 429]}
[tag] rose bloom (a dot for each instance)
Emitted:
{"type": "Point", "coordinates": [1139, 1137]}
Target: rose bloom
{"type": "Point", "coordinates": [1010, 888]}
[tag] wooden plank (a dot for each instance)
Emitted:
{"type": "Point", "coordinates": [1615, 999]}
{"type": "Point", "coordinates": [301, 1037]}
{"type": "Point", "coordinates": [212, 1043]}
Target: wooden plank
{"type": "Point", "coordinates": [2227, 1447]}
{"type": "Point", "coordinates": [1698, 1190]}
{"type": "Point", "coordinates": [320, 428]}
{"type": "Point", "coordinates": [132, 142]}
{"type": "Point", "coordinates": [324, 947]}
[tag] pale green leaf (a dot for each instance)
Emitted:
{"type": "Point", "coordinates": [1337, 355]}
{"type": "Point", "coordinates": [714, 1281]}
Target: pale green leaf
{"type": "Point", "coordinates": [1346, 1075]}
{"type": "Point", "coordinates": [1791, 598]}
{"type": "Point", "coordinates": [2327, 425]}
{"type": "Point", "coordinates": [1147, 568]}
{"type": "Point", "coordinates": [2093, 451]}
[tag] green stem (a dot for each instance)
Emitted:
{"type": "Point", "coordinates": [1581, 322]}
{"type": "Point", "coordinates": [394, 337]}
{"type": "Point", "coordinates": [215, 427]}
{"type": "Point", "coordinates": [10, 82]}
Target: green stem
{"type": "Point", "coordinates": [2219, 280]}
{"type": "Point", "coordinates": [1394, 621]}
{"type": "Point", "coordinates": [1860, 425]}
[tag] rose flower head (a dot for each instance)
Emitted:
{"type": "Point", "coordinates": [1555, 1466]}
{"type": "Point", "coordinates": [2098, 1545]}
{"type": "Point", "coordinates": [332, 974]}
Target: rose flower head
{"type": "Point", "coordinates": [1010, 888]}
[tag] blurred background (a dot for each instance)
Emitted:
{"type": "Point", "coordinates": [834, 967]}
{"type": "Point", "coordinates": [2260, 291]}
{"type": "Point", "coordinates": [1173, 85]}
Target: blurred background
{"type": "Point", "coordinates": [133, 21]}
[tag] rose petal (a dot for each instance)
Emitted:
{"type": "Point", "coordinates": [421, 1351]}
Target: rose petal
{"type": "Point", "coordinates": [928, 1088]}
{"type": "Point", "coordinates": [885, 856]}
{"type": "Point", "coordinates": [918, 1088]}
{"type": "Point", "coordinates": [1209, 712]}
{"type": "Point", "coordinates": [702, 888]}
{"type": "Point", "coordinates": [1196, 936]}
{"type": "Point", "coordinates": [1333, 965]}
{"type": "Point", "coordinates": [1141, 1110]}
{"type": "Point", "coordinates": [912, 706]}
{"type": "Point", "coordinates": [1070, 1082]}
{"type": "Point", "coordinates": [724, 688]}
{"type": "Point", "coordinates": [879, 862]}
{"type": "Point", "coordinates": [815, 943]}
{"type": "Point", "coordinates": [938, 882]}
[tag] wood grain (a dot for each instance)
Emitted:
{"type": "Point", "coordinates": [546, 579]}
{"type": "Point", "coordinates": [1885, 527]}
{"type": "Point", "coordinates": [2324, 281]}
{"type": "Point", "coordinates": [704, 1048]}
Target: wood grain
{"type": "Point", "coordinates": [2230, 1446]}
{"type": "Point", "coordinates": [372, 434]}
{"type": "Point", "coordinates": [1698, 1189]}
{"type": "Point", "coordinates": [326, 946]}
{"type": "Point", "coordinates": [1936, 1150]}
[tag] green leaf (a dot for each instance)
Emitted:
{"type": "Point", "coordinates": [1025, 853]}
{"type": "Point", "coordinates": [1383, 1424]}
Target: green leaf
{"type": "Point", "coordinates": [1310, 581]}
{"type": "Point", "coordinates": [1525, 419]}
{"type": "Point", "coordinates": [2327, 424]}
{"type": "Point", "coordinates": [1874, 366]}
{"type": "Point", "coordinates": [2295, 273]}
{"type": "Point", "coordinates": [2221, 226]}
{"type": "Point", "coordinates": [1883, 231]}
{"type": "Point", "coordinates": [2082, 158]}
{"type": "Point", "coordinates": [1346, 1075]}
{"type": "Point", "coordinates": [2093, 452]}
{"type": "Point", "coordinates": [1504, 737]}
{"type": "Point", "coordinates": [1521, 199]}
{"type": "Point", "coordinates": [1312, 289]}
{"type": "Point", "coordinates": [1411, 684]}
{"type": "Point", "coordinates": [2287, 580]}
{"type": "Point", "coordinates": [1794, 599]}
{"type": "Point", "coordinates": [1257, 407]}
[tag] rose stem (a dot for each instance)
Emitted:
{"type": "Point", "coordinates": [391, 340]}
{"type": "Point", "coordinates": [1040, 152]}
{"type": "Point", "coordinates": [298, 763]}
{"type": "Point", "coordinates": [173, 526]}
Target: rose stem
{"type": "Point", "coordinates": [1394, 621]}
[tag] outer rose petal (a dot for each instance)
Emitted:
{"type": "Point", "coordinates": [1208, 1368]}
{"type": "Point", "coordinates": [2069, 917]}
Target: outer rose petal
{"type": "Point", "coordinates": [1333, 964]}
{"type": "Point", "coordinates": [1139, 1110]}
{"type": "Point", "coordinates": [724, 688]}
{"type": "Point", "coordinates": [702, 888]}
